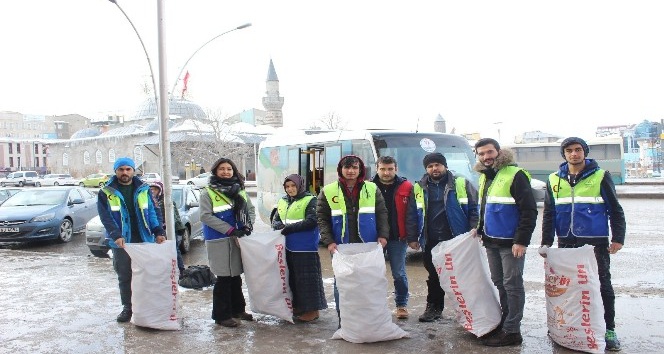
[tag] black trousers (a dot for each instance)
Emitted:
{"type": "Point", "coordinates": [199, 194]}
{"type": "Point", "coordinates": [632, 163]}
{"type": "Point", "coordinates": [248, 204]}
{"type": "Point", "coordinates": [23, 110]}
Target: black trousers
{"type": "Point", "coordinates": [227, 298]}
{"type": "Point", "coordinates": [435, 294]}
{"type": "Point", "coordinates": [122, 267]}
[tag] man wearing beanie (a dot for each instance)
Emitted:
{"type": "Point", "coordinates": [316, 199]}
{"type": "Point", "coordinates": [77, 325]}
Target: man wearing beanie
{"type": "Point", "coordinates": [578, 180]}
{"type": "Point", "coordinates": [508, 215]}
{"type": "Point", "coordinates": [117, 204]}
{"type": "Point", "coordinates": [446, 207]}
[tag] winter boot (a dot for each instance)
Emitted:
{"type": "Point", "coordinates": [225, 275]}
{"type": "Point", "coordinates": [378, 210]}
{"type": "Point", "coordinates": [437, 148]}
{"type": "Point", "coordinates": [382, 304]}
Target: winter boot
{"type": "Point", "coordinates": [433, 312]}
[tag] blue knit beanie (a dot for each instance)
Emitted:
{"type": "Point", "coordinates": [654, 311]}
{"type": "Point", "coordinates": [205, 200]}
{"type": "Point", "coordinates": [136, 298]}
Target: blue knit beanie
{"type": "Point", "coordinates": [124, 161]}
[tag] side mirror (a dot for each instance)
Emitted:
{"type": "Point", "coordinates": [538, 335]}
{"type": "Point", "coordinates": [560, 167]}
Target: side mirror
{"type": "Point", "coordinates": [77, 201]}
{"type": "Point", "coordinates": [192, 204]}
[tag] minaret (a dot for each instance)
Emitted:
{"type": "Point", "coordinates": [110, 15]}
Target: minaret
{"type": "Point", "coordinates": [272, 101]}
{"type": "Point", "coordinates": [439, 124]}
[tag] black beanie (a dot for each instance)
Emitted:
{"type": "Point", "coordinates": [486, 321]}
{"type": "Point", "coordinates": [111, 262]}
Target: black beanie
{"type": "Point", "coordinates": [574, 140]}
{"type": "Point", "coordinates": [434, 157]}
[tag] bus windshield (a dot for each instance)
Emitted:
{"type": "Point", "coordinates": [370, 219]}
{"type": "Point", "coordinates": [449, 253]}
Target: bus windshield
{"type": "Point", "coordinates": [410, 149]}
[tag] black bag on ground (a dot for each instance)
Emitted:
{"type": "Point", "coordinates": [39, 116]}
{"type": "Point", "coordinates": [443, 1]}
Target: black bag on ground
{"type": "Point", "coordinates": [197, 277]}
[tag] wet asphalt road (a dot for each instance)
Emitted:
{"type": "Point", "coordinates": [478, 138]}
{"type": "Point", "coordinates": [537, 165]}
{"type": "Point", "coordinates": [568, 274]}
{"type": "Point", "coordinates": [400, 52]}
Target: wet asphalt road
{"type": "Point", "coordinates": [57, 298]}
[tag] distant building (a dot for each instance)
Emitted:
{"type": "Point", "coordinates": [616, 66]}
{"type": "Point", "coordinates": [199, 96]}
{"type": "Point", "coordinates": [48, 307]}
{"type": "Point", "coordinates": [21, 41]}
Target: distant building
{"type": "Point", "coordinates": [536, 137]}
{"type": "Point", "coordinates": [439, 124]}
{"type": "Point", "coordinates": [252, 116]}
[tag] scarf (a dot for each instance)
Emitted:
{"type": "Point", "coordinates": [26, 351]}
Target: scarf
{"type": "Point", "coordinates": [231, 188]}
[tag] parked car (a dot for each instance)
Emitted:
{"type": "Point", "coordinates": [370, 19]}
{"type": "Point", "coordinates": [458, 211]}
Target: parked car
{"type": "Point", "coordinates": [57, 179]}
{"type": "Point", "coordinates": [42, 214]}
{"type": "Point", "coordinates": [20, 178]}
{"type": "Point", "coordinates": [539, 189]}
{"type": "Point", "coordinates": [95, 180]}
{"type": "Point", "coordinates": [151, 177]}
{"type": "Point", "coordinates": [200, 180]}
{"type": "Point", "coordinates": [186, 198]}
{"type": "Point", "coordinates": [6, 192]}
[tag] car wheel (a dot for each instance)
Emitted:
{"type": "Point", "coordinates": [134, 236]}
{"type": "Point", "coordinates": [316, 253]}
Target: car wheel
{"type": "Point", "coordinates": [190, 183]}
{"type": "Point", "coordinates": [81, 184]}
{"type": "Point", "coordinates": [100, 253]}
{"type": "Point", "coordinates": [37, 184]}
{"type": "Point", "coordinates": [20, 183]}
{"type": "Point", "coordinates": [66, 231]}
{"type": "Point", "coordinates": [56, 184]}
{"type": "Point", "coordinates": [186, 241]}
{"type": "Point", "coordinates": [101, 184]}
{"type": "Point", "coordinates": [2, 184]}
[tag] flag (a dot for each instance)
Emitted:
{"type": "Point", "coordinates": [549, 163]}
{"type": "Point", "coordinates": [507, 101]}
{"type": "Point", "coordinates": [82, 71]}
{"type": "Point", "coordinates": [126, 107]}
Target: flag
{"type": "Point", "coordinates": [184, 87]}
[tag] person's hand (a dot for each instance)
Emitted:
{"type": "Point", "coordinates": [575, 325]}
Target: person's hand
{"type": "Point", "coordinates": [615, 247]}
{"type": "Point", "coordinates": [286, 230]}
{"type": "Point", "coordinates": [542, 250]}
{"type": "Point", "coordinates": [382, 241]}
{"type": "Point", "coordinates": [518, 250]}
{"type": "Point", "coordinates": [120, 242]}
{"type": "Point", "coordinates": [473, 233]}
{"type": "Point", "coordinates": [247, 230]}
{"type": "Point", "coordinates": [237, 233]}
{"type": "Point", "coordinates": [414, 245]}
{"type": "Point", "coordinates": [332, 247]}
{"type": "Point", "coordinates": [160, 238]}
{"type": "Point", "coordinates": [280, 227]}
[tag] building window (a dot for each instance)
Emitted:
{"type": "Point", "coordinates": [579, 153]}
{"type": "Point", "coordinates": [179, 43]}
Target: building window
{"type": "Point", "coordinates": [111, 155]}
{"type": "Point", "coordinates": [11, 149]}
{"type": "Point", "coordinates": [44, 159]}
{"type": "Point", "coordinates": [98, 157]}
{"type": "Point", "coordinates": [18, 162]}
{"type": "Point", "coordinates": [11, 160]}
{"type": "Point", "coordinates": [86, 158]}
{"type": "Point", "coordinates": [36, 161]}
{"type": "Point", "coordinates": [65, 159]}
{"type": "Point", "coordinates": [138, 155]}
{"type": "Point", "coordinates": [36, 148]}
{"type": "Point", "coordinates": [18, 149]}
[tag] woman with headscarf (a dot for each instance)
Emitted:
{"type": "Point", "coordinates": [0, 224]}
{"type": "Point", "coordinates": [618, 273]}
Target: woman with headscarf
{"type": "Point", "coordinates": [226, 213]}
{"type": "Point", "coordinates": [296, 218]}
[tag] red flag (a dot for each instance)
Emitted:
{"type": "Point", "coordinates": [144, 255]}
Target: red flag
{"type": "Point", "coordinates": [186, 79]}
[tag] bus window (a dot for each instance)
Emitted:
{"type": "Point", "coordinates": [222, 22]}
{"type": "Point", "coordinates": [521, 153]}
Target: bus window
{"type": "Point", "coordinates": [332, 157]}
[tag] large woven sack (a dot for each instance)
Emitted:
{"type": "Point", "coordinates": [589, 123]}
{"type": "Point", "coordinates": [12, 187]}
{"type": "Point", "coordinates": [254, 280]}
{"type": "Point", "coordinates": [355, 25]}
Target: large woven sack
{"type": "Point", "coordinates": [154, 285]}
{"type": "Point", "coordinates": [464, 275]}
{"type": "Point", "coordinates": [574, 307]}
{"type": "Point", "coordinates": [359, 269]}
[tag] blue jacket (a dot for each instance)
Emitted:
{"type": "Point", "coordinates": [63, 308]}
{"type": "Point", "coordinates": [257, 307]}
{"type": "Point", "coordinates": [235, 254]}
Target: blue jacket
{"type": "Point", "coordinates": [117, 223]}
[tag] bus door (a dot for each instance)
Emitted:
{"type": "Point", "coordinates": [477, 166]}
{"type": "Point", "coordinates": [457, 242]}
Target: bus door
{"type": "Point", "coordinates": [312, 170]}
{"type": "Point", "coordinates": [331, 159]}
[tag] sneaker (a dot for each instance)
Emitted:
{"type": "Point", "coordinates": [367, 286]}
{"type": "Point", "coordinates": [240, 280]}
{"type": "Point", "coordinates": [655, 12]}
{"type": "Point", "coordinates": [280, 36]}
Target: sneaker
{"type": "Point", "coordinates": [243, 316]}
{"type": "Point", "coordinates": [308, 316]}
{"type": "Point", "coordinates": [503, 339]}
{"type": "Point", "coordinates": [612, 342]}
{"type": "Point", "coordinates": [433, 312]}
{"type": "Point", "coordinates": [228, 323]}
{"type": "Point", "coordinates": [402, 312]}
{"type": "Point", "coordinates": [124, 316]}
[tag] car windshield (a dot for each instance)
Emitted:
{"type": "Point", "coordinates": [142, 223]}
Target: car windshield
{"type": "Point", "coordinates": [36, 197]}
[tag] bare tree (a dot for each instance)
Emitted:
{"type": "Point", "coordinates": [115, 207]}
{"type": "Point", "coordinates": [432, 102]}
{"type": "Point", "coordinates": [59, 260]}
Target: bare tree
{"type": "Point", "coordinates": [333, 121]}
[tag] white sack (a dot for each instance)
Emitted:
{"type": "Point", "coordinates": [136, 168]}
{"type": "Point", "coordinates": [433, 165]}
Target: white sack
{"type": "Point", "coordinates": [154, 284]}
{"type": "Point", "coordinates": [463, 271]}
{"type": "Point", "coordinates": [574, 307]}
{"type": "Point", "coordinates": [359, 269]}
{"type": "Point", "coordinates": [266, 274]}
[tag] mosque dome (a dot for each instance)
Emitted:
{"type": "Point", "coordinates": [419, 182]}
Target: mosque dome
{"type": "Point", "coordinates": [177, 107]}
{"type": "Point", "coordinates": [646, 129]}
{"type": "Point", "coordinates": [85, 133]}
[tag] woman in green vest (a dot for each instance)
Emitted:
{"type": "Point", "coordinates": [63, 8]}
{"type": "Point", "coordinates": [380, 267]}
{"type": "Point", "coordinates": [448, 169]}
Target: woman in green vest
{"type": "Point", "coordinates": [296, 218]}
{"type": "Point", "coordinates": [226, 213]}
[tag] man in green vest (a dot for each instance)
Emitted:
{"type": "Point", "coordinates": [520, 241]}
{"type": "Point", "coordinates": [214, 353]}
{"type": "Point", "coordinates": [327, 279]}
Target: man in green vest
{"type": "Point", "coordinates": [351, 210]}
{"type": "Point", "coordinates": [508, 215]}
{"type": "Point", "coordinates": [129, 216]}
{"type": "Point", "coordinates": [579, 206]}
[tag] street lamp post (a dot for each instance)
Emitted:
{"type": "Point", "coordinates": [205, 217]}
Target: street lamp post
{"type": "Point", "coordinates": [177, 78]}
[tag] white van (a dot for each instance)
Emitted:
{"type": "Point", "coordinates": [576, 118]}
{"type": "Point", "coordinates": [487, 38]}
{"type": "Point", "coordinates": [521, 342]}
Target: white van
{"type": "Point", "coordinates": [21, 178]}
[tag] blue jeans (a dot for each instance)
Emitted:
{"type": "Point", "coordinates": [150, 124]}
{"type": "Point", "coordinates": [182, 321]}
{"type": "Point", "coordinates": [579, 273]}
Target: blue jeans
{"type": "Point", "coordinates": [396, 254]}
{"type": "Point", "coordinates": [507, 276]}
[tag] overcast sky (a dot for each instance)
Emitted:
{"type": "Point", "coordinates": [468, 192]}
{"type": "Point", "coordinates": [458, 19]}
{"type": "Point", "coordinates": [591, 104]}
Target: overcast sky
{"type": "Point", "coordinates": [562, 67]}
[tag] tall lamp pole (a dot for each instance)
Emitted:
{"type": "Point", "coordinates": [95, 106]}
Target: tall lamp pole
{"type": "Point", "coordinates": [177, 78]}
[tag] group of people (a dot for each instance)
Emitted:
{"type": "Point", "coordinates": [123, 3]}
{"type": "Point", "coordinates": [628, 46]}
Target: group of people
{"type": "Point", "coordinates": [580, 207]}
